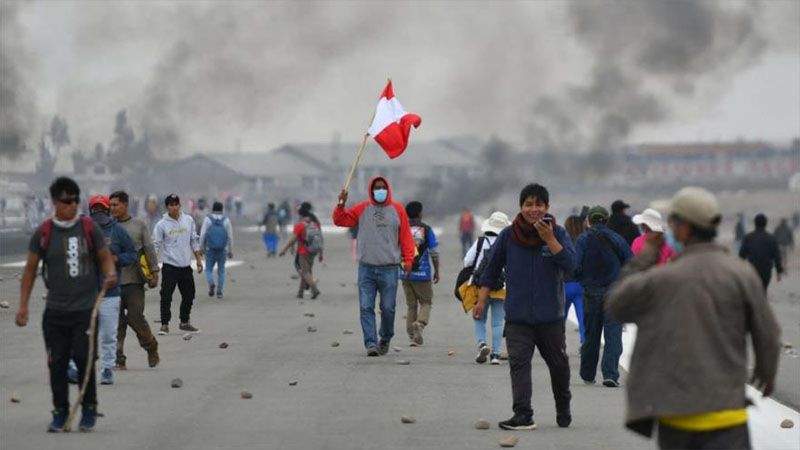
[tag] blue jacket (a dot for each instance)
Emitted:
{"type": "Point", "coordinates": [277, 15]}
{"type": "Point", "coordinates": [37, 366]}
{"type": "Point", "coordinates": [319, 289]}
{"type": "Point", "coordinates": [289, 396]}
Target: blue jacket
{"type": "Point", "coordinates": [598, 263]}
{"type": "Point", "coordinates": [119, 243]}
{"type": "Point", "coordinates": [534, 277]}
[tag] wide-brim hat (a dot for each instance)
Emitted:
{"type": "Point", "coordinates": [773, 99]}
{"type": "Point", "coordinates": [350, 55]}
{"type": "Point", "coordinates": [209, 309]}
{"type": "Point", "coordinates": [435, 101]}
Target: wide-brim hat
{"type": "Point", "coordinates": [651, 218]}
{"type": "Point", "coordinates": [495, 223]}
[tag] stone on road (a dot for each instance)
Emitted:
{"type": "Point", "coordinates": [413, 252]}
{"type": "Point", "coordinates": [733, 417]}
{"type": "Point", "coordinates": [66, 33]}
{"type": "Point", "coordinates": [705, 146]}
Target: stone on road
{"type": "Point", "coordinates": [177, 383]}
{"type": "Point", "coordinates": [508, 441]}
{"type": "Point", "coordinates": [408, 419]}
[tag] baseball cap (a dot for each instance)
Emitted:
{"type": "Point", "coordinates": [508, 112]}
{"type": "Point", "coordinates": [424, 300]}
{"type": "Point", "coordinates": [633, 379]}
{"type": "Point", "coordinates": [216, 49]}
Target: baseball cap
{"type": "Point", "coordinates": [597, 212]}
{"type": "Point", "coordinates": [619, 205]}
{"type": "Point", "coordinates": [696, 206]}
{"type": "Point", "coordinates": [172, 199]}
{"type": "Point", "coordinates": [99, 200]}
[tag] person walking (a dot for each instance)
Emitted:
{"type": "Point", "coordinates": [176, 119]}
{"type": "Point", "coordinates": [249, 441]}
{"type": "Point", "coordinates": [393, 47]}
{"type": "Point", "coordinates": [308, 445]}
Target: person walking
{"type": "Point", "coordinates": [124, 254]}
{"type": "Point", "coordinates": [384, 242]}
{"type": "Point", "coordinates": [535, 254]}
{"type": "Point", "coordinates": [784, 236]}
{"type": "Point", "coordinates": [573, 292]}
{"type": "Point", "coordinates": [601, 253]}
{"type": "Point", "coordinates": [760, 248]}
{"type": "Point", "coordinates": [271, 223]}
{"type": "Point", "coordinates": [74, 255]}
{"type": "Point", "coordinates": [650, 223]}
{"type": "Point", "coordinates": [175, 238]}
{"type": "Point", "coordinates": [620, 222]}
{"type": "Point", "coordinates": [216, 240]}
{"type": "Point", "coordinates": [418, 285]}
{"type": "Point", "coordinates": [739, 231]}
{"type": "Point", "coordinates": [466, 229]}
{"type": "Point", "coordinates": [132, 281]}
{"type": "Point", "coordinates": [690, 362]}
{"type": "Point", "coordinates": [476, 257]}
{"type": "Point", "coordinates": [307, 234]}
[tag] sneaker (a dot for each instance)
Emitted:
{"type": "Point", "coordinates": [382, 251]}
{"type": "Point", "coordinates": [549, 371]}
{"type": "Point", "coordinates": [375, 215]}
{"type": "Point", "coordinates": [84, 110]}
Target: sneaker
{"type": "Point", "coordinates": [300, 294]}
{"type": "Point", "coordinates": [164, 330]}
{"type": "Point", "coordinates": [219, 295]}
{"type": "Point", "coordinates": [589, 382]}
{"type": "Point", "coordinates": [107, 376]}
{"type": "Point", "coordinates": [121, 363]}
{"type": "Point", "coordinates": [608, 382]}
{"type": "Point", "coordinates": [72, 373]}
{"type": "Point", "coordinates": [59, 419]}
{"type": "Point", "coordinates": [483, 352]}
{"type": "Point", "coordinates": [411, 342]}
{"type": "Point", "coordinates": [186, 326]}
{"type": "Point", "coordinates": [152, 358]}
{"type": "Point", "coordinates": [494, 359]}
{"type": "Point", "coordinates": [373, 351]}
{"type": "Point", "coordinates": [518, 423]}
{"type": "Point", "coordinates": [417, 332]}
{"type": "Point", "coordinates": [563, 415]}
{"type": "Point", "coordinates": [211, 290]}
{"type": "Point", "coordinates": [383, 347]}
{"type": "Point", "coordinates": [88, 418]}
{"type": "Point", "coordinates": [314, 294]}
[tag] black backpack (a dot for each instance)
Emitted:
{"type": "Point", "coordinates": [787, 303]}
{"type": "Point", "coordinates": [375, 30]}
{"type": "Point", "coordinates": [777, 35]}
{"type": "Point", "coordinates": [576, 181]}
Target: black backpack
{"type": "Point", "coordinates": [500, 283]}
{"type": "Point", "coordinates": [465, 273]}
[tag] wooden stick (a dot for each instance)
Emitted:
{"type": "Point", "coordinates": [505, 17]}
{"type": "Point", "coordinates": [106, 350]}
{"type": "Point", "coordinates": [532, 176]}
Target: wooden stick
{"type": "Point", "coordinates": [89, 361]}
{"type": "Point", "coordinates": [355, 162]}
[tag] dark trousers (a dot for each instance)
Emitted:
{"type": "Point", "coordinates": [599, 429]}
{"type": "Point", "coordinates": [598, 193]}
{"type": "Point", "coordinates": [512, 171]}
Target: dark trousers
{"type": "Point", "coordinates": [521, 341]}
{"type": "Point", "coordinates": [737, 437]}
{"type": "Point", "coordinates": [131, 312]}
{"type": "Point", "coordinates": [597, 324]}
{"type": "Point", "coordinates": [65, 337]}
{"type": "Point", "coordinates": [183, 278]}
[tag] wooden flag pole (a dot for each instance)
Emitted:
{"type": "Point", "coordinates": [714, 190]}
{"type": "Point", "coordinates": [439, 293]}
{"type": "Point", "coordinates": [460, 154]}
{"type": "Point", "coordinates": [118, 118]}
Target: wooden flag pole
{"type": "Point", "coordinates": [355, 162]}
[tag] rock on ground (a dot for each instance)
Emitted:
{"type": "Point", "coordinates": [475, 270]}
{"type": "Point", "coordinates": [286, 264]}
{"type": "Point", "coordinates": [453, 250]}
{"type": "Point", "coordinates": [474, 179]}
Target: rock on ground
{"type": "Point", "coordinates": [403, 362]}
{"type": "Point", "coordinates": [223, 345]}
{"type": "Point", "coordinates": [246, 395]}
{"type": "Point", "coordinates": [508, 441]}
{"type": "Point", "coordinates": [408, 419]}
{"type": "Point", "coordinates": [787, 424]}
{"type": "Point", "coordinates": [177, 383]}
{"type": "Point", "coordinates": [482, 424]}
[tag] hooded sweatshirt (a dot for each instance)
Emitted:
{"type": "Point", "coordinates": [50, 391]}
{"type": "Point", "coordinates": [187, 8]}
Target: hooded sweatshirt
{"type": "Point", "coordinates": [225, 223]}
{"type": "Point", "coordinates": [384, 234]}
{"type": "Point", "coordinates": [120, 244]}
{"type": "Point", "coordinates": [176, 240]}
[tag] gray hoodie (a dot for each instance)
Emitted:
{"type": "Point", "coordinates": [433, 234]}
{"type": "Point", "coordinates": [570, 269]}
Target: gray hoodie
{"type": "Point", "coordinates": [176, 240]}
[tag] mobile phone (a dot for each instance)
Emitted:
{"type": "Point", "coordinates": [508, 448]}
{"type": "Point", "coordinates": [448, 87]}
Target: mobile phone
{"type": "Point", "coordinates": [547, 220]}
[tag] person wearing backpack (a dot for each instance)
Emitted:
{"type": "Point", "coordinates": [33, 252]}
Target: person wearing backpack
{"type": "Point", "coordinates": [216, 240]}
{"type": "Point", "coordinates": [74, 255]}
{"type": "Point", "coordinates": [418, 285]}
{"type": "Point", "coordinates": [601, 253]}
{"type": "Point", "coordinates": [308, 236]}
{"type": "Point", "coordinates": [476, 258]}
{"type": "Point", "coordinates": [271, 223]}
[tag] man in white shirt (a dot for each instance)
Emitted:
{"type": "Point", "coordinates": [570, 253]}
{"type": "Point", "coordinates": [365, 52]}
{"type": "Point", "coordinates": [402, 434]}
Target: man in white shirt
{"type": "Point", "coordinates": [175, 238]}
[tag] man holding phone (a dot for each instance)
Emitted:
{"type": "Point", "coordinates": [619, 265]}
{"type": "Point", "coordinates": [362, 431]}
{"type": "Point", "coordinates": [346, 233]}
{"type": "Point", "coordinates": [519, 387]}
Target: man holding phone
{"type": "Point", "coordinates": [535, 254]}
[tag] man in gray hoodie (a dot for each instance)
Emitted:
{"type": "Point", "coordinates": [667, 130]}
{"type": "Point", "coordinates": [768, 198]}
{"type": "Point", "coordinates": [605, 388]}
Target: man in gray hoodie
{"type": "Point", "coordinates": [216, 240]}
{"type": "Point", "coordinates": [175, 237]}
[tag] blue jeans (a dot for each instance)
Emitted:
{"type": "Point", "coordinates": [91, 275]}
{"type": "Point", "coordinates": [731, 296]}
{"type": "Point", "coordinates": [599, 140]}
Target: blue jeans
{"type": "Point", "coordinates": [216, 257]}
{"type": "Point", "coordinates": [371, 281]}
{"type": "Point", "coordinates": [598, 324]}
{"type": "Point", "coordinates": [108, 319]}
{"type": "Point", "coordinates": [271, 243]}
{"type": "Point", "coordinates": [574, 296]}
{"type": "Point", "coordinates": [498, 316]}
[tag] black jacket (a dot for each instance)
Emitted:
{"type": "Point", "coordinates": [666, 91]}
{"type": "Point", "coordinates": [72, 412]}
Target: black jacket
{"type": "Point", "coordinates": [622, 224]}
{"type": "Point", "coordinates": [761, 249]}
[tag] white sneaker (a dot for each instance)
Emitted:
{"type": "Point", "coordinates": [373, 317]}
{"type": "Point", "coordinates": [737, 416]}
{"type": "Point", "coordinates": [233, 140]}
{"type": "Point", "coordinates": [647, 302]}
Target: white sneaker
{"type": "Point", "coordinates": [164, 330]}
{"type": "Point", "coordinates": [494, 359]}
{"type": "Point", "coordinates": [483, 352]}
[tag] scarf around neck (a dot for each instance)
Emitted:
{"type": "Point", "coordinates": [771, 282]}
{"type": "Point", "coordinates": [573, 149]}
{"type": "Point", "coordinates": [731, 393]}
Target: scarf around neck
{"type": "Point", "coordinates": [525, 234]}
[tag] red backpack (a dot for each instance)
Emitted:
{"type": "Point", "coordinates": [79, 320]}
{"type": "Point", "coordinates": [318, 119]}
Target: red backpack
{"type": "Point", "coordinates": [46, 232]}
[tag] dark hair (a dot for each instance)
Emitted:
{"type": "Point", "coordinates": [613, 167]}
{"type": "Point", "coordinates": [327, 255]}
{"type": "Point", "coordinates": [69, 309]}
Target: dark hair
{"type": "Point", "coordinates": [761, 221]}
{"type": "Point", "coordinates": [305, 211]}
{"type": "Point", "coordinates": [217, 206]}
{"type": "Point", "coordinates": [536, 191]}
{"type": "Point", "coordinates": [414, 209]}
{"type": "Point", "coordinates": [703, 234]}
{"type": "Point", "coordinates": [575, 226]}
{"type": "Point", "coordinates": [270, 205]}
{"type": "Point", "coordinates": [122, 196]}
{"type": "Point", "coordinates": [64, 185]}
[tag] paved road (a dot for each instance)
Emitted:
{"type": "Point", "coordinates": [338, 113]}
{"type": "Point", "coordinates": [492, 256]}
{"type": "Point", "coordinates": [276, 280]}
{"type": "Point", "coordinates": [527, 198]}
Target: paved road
{"type": "Point", "coordinates": [342, 400]}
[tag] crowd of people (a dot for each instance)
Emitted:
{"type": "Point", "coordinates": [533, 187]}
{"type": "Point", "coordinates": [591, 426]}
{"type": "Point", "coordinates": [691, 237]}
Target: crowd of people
{"type": "Point", "coordinates": [692, 301]}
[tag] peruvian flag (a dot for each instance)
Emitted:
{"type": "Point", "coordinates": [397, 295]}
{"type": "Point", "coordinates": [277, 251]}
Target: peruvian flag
{"type": "Point", "coordinates": [391, 124]}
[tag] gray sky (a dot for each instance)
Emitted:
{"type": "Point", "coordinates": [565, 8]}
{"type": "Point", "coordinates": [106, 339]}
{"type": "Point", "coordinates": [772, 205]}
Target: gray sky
{"type": "Point", "coordinates": [199, 75]}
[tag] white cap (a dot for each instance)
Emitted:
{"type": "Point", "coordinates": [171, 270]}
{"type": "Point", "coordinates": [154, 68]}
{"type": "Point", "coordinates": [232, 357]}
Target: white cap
{"type": "Point", "coordinates": [697, 206]}
{"type": "Point", "coordinates": [495, 223]}
{"type": "Point", "coordinates": [651, 218]}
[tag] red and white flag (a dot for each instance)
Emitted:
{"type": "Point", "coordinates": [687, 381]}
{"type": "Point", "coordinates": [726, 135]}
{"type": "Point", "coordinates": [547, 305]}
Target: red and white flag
{"type": "Point", "coordinates": [391, 125]}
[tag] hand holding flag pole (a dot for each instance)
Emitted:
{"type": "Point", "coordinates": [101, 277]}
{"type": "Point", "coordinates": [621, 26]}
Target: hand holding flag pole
{"type": "Point", "coordinates": [390, 127]}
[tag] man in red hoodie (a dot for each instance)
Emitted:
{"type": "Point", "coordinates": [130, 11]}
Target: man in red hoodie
{"type": "Point", "coordinates": [384, 243]}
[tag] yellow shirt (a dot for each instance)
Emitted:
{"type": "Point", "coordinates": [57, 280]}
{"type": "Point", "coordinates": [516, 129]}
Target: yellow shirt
{"type": "Point", "coordinates": [715, 420]}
